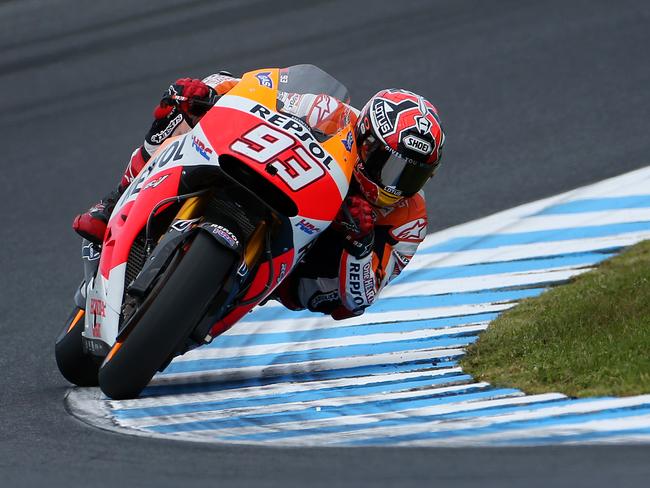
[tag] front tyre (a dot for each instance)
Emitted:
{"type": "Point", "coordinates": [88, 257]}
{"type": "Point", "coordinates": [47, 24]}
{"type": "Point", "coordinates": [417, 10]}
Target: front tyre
{"type": "Point", "coordinates": [168, 320]}
{"type": "Point", "coordinates": [75, 366]}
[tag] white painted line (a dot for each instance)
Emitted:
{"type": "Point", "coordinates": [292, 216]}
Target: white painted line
{"type": "Point", "coordinates": [273, 370]}
{"type": "Point", "coordinates": [369, 339]}
{"type": "Point", "coordinates": [321, 322]}
{"type": "Point", "coordinates": [406, 288]}
{"type": "Point", "coordinates": [559, 430]}
{"type": "Point", "coordinates": [633, 183]}
{"type": "Point", "coordinates": [375, 418]}
{"type": "Point", "coordinates": [527, 251]}
{"type": "Point", "coordinates": [541, 278]}
{"type": "Point", "coordinates": [282, 388]}
{"type": "Point", "coordinates": [437, 426]}
{"type": "Point", "coordinates": [583, 219]}
{"type": "Point", "coordinates": [322, 403]}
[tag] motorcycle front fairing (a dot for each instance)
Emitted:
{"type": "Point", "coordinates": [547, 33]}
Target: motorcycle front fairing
{"type": "Point", "coordinates": [161, 178]}
{"type": "Point", "coordinates": [245, 127]}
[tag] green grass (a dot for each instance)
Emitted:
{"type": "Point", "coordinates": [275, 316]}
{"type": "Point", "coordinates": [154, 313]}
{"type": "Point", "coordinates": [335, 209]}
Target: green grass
{"type": "Point", "coordinates": [590, 337]}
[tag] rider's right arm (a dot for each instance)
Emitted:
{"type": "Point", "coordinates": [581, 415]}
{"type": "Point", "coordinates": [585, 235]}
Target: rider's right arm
{"type": "Point", "coordinates": [170, 121]}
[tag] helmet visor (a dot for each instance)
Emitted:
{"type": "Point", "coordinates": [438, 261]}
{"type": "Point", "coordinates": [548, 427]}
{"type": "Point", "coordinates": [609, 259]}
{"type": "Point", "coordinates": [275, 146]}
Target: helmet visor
{"type": "Point", "coordinates": [396, 174]}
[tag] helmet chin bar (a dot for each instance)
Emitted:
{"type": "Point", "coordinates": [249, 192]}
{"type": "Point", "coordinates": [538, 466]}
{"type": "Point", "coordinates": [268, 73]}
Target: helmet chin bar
{"type": "Point", "coordinates": [376, 196]}
{"type": "Point", "coordinates": [386, 199]}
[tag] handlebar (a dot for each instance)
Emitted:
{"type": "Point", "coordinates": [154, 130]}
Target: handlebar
{"type": "Point", "coordinates": [176, 99]}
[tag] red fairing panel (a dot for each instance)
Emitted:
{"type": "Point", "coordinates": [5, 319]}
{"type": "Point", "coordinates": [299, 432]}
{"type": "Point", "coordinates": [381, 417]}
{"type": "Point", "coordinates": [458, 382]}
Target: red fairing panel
{"type": "Point", "coordinates": [298, 163]}
{"type": "Point", "coordinates": [122, 231]}
{"type": "Point", "coordinates": [281, 268]}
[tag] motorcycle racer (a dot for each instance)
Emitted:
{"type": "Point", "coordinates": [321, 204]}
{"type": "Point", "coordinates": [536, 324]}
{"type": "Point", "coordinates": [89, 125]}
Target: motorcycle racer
{"type": "Point", "coordinates": [399, 139]}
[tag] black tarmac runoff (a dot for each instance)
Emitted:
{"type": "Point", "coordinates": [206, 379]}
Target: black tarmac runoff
{"type": "Point", "coordinates": [536, 98]}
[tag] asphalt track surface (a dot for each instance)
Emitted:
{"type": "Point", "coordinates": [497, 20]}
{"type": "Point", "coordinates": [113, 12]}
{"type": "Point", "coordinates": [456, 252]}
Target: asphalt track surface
{"type": "Point", "coordinates": [537, 98]}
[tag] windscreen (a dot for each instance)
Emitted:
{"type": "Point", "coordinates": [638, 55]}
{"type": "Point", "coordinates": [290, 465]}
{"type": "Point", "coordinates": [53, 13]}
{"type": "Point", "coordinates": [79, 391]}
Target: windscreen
{"type": "Point", "coordinates": [315, 97]}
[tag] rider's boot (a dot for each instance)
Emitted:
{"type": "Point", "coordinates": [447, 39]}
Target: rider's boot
{"type": "Point", "coordinates": [92, 224]}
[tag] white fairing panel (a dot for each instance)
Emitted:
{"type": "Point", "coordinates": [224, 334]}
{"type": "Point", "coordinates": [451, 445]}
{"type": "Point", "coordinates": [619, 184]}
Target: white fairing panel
{"type": "Point", "coordinates": [189, 149]}
{"type": "Point", "coordinates": [103, 305]}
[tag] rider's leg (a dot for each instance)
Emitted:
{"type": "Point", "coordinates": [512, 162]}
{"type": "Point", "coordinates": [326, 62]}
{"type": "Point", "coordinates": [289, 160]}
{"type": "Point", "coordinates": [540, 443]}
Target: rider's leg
{"type": "Point", "coordinates": [91, 225]}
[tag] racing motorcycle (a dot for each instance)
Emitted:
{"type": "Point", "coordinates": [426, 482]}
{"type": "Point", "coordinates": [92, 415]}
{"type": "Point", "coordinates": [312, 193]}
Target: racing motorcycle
{"type": "Point", "coordinates": [217, 220]}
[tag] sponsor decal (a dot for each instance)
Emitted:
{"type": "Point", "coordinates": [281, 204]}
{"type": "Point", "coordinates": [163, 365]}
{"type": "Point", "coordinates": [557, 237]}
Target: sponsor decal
{"type": "Point", "coordinates": [243, 270]}
{"type": "Point", "coordinates": [423, 124]}
{"type": "Point", "coordinates": [348, 141]}
{"type": "Point", "coordinates": [368, 282]}
{"type": "Point", "coordinates": [322, 108]}
{"type": "Point", "coordinates": [172, 152]}
{"type": "Point", "coordinates": [320, 298]}
{"type": "Point", "coordinates": [97, 307]}
{"type": "Point", "coordinates": [408, 160]}
{"type": "Point", "coordinates": [401, 260]}
{"type": "Point", "coordinates": [159, 137]}
{"type": "Point", "coordinates": [361, 249]}
{"type": "Point", "coordinates": [89, 253]}
{"type": "Point", "coordinates": [307, 227]}
{"type": "Point", "coordinates": [292, 103]}
{"type": "Point", "coordinates": [156, 182]}
{"type": "Point", "coordinates": [201, 148]}
{"type": "Point", "coordinates": [94, 346]}
{"type": "Point", "coordinates": [421, 121]}
{"type": "Point", "coordinates": [360, 283]}
{"type": "Point", "coordinates": [97, 331]}
{"type": "Point", "coordinates": [346, 116]}
{"type": "Point", "coordinates": [216, 79]}
{"type": "Point", "coordinates": [183, 225]}
{"type": "Point", "coordinates": [418, 145]}
{"type": "Point", "coordinates": [381, 112]}
{"type": "Point", "coordinates": [392, 190]}
{"type": "Point", "coordinates": [284, 78]}
{"type": "Point", "coordinates": [299, 130]}
{"type": "Point", "coordinates": [225, 234]}
{"type": "Point", "coordinates": [411, 231]}
{"type": "Point", "coordinates": [264, 79]}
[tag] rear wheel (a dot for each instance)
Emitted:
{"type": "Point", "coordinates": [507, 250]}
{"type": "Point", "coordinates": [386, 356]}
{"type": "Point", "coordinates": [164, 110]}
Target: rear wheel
{"type": "Point", "coordinates": [169, 319]}
{"type": "Point", "coordinates": [76, 366]}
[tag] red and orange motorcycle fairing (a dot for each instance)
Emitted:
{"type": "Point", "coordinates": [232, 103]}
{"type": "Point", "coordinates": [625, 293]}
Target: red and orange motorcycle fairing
{"type": "Point", "coordinates": [244, 126]}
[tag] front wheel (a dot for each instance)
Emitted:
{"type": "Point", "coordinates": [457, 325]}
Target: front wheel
{"type": "Point", "coordinates": [169, 319]}
{"type": "Point", "coordinates": [76, 366]}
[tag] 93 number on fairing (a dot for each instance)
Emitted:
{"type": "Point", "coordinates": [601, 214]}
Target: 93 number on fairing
{"type": "Point", "coordinates": [265, 144]}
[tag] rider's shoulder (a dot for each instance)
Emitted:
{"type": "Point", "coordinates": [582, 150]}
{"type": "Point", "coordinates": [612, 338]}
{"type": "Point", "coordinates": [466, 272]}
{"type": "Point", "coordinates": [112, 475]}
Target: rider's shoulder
{"type": "Point", "coordinates": [407, 219]}
{"type": "Point", "coordinates": [406, 209]}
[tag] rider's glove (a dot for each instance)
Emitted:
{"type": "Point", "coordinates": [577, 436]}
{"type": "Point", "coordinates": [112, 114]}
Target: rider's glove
{"type": "Point", "coordinates": [356, 221]}
{"type": "Point", "coordinates": [192, 97]}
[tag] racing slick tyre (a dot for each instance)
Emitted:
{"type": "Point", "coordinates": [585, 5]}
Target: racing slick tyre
{"type": "Point", "coordinates": [75, 366]}
{"type": "Point", "coordinates": [168, 320]}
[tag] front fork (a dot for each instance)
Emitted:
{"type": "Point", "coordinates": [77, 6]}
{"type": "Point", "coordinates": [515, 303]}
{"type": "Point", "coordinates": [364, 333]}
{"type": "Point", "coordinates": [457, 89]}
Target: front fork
{"type": "Point", "coordinates": [188, 217]}
{"type": "Point", "coordinates": [193, 209]}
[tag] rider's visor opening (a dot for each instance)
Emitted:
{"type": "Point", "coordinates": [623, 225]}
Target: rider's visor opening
{"type": "Point", "coordinates": [394, 173]}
